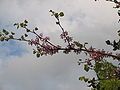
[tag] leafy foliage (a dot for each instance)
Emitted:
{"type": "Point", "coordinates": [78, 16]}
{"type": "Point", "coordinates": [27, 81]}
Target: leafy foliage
{"type": "Point", "coordinates": [111, 84]}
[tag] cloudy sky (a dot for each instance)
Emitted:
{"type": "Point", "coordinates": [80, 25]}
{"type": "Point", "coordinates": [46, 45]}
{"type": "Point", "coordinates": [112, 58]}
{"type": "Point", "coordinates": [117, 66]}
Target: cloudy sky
{"type": "Point", "coordinates": [86, 20]}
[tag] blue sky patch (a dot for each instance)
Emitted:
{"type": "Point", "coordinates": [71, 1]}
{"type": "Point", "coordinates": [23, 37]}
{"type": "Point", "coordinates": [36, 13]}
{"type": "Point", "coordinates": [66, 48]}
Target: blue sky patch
{"type": "Point", "coordinates": [11, 48]}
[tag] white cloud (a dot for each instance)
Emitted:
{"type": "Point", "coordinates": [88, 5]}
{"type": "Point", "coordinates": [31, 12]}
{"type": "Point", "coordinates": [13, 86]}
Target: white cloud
{"type": "Point", "coordinates": [86, 21]}
{"type": "Point", "coordinates": [29, 73]}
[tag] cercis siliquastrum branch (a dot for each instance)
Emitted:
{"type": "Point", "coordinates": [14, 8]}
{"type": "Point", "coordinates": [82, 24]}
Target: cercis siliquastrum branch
{"type": "Point", "coordinates": [114, 1]}
{"type": "Point", "coordinates": [45, 47]}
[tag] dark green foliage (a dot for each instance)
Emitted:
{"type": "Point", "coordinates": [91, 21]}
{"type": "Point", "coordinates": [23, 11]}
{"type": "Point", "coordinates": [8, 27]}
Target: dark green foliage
{"type": "Point", "coordinates": [111, 84]}
{"type": "Point", "coordinates": [105, 70]}
{"type": "Point", "coordinates": [27, 30]}
{"type": "Point", "coordinates": [107, 77]}
{"type": "Point", "coordinates": [86, 67]}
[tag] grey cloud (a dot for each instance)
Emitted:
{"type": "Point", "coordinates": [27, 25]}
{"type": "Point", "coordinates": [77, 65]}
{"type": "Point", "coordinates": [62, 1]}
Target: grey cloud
{"type": "Point", "coordinates": [26, 73]}
{"type": "Point", "coordinates": [85, 20]}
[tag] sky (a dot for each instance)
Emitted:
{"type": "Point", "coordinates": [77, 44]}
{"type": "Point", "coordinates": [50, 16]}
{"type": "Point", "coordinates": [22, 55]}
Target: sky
{"type": "Point", "coordinates": [86, 20]}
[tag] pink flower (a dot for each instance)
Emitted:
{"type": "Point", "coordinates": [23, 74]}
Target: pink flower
{"type": "Point", "coordinates": [46, 38]}
{"type": "Point", "coordinates": [64, 34]}
{"type": "Point", "coordinates": [37, 40]}
{"type": "Point", "coordinates": [69, 39]}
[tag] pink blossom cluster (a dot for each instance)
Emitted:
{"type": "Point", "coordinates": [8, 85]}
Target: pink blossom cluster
{"type": "Point", "coordinates": [95, 55]}
{"type": "Point", "coordinates": [44, 38]}
{"type": "Point", "coordinates": [39, 38]}
{"type": "Point", "coordinates": [98, 54]}
{"type": "Point", "coordinates": [34, 42]}
{"type": "Point", "coordinates": [47, 50]}
{"type": "Point", "coordinates": [43, 45]}
{"type": "Point", "coordinates": [66, 37]}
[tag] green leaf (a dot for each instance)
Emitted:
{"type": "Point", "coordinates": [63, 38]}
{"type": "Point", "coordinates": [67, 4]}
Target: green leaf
{"type": "Point", "coordinates": [25, 25]}
{"type": "Point", "coordinates": [0, 34]}
{"type": "Point", "coordinates": [27, 30]}
{"type": "Point", "coordinates": [108, 42]}
{"type": "Point", "coordinates": [119, 44]}
{"type": "Point", "coordinates": [26, 35]}
{"type": "Point", "coordinates": [56, 15]}
{"type": "Point", "coordinates": [36, 28]}
{"type": "Point", "coordinates": [119, 12]}
{"type": "Point", "coordinates": [86, 68]}
{"type": "Point", "coordinates": [37, 55]}
{"type": "Point", "coordinates": [5, 32]}
{"type": "Point", "coordinates": [81, 78]}
{"type": "Point", "coordinates": [17, 26]}
{"type": "Point", "coordinates": [22, 24]}
{"type": "Point", "coordinates": [34, 51]}
{"type": "Point", "coordinates": [25, 21]}
{"type": "Point", "coordinates": [7, 39]}
{"type": "Point", "coordinates": [12, 33]}
{"type": "Point", "coordinates": [78, 44]}
{"type": "Point", "coordinates": [11, 36]}
{"type": "Point", "coordinates": [86, 79]}
{"type": "Point", "coordinates": [2, 39]}
{"type": "Point", "coordinates": [61, 14]}
{"type": "Point", "coordinates": [57, 22]}
{"type": "Point", "coordinates": [50, 11]}
{"type": "Point", "coordinates": [118, 34]}
{"type": "Point", "coordinates": [22, 37]}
